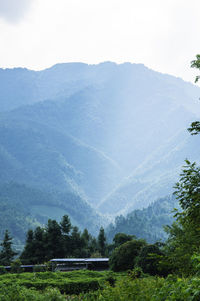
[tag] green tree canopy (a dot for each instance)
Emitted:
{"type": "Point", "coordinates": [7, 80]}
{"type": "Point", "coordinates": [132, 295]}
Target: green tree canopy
{"type": "Point", "coordinates": [121, 238]}
{"type": "Point", "coordinates": [123, 258]}
{"type": "Point", "coordinates": [7, 253]}
{"type": "Point", "coordinates": [184, 234]}
{"type": "Point", "coordinates": [102, 241]}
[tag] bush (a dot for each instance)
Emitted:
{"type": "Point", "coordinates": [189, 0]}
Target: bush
{"type": "Point", "coordinates": [18, 293]}
{"type": "Point", "coordinates": [39, 268]}
{"type": "Point", "coordinates": [67, 287]}
{"type": "Point", "coordinates": [2, 270]}
{"type": "Point", "coordinates": [69, 283]}
{"type": "Point", "coordinates": [136, 273]}
{"type": "Point", "coordinates": [16, 266]}
{"type": "Point", "coordinates": [123, 258]}
{"type": "Point", "coordinates": [148, 260]}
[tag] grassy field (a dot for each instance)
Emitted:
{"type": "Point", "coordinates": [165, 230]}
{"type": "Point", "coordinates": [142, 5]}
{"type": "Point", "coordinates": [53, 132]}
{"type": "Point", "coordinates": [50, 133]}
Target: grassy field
{"type": "Point", "coordinates": [59, 284]}
{"type": "Point", "coordinates": [94, 286]}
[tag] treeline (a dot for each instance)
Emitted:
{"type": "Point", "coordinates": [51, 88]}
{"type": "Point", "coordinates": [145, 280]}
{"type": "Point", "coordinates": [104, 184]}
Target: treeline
{"type": "Point", "coordinates": [31, 207]}
{"type": "Point", "coordinates": [126, 252]}
{"type": "Point", "coordinates": [146, 223]}
{"type": "Point", "coordinates": [61, 240]}
{"type": "Point", "coordinates": [55, 240]}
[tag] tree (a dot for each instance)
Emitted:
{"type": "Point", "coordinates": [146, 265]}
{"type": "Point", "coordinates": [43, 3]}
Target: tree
{"type": "Point", "coordinates": [27, 254]}
{"type": "Point", "coordinates": [123, 258]}
{"type": "Point", "coordinates": [184, 234]}
{"type": "Point", "coordinates": [148, 259]}
{"type": "Point", "coordinates": [77, 243]}
{"type": "Point", "coordinates": [194, 129]}
{"type": "Point", "coordinates": [66, 227]}
{"type": "Point", "coordinates": [182, 243]}
{"type": "Point", "coordinates": [53, 241]}
{"type": "Point", "coordinates": [35, 248]}
{"type": "Point", "coordinates": [102, 241]}
{"type": "Point", "coordinates": [7, 253]}
{"type": "Point", "coordinates": [121, 238]}
{"type": "Point", "coordinates": [39, 245]}
{"type": "Point", "coordinates": [16, 266]}
{"type": "Point", "coordinates": [188, 193]}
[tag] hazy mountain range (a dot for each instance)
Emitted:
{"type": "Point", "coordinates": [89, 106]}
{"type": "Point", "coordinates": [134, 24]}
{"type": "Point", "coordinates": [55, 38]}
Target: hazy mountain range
{"type": "Point", "coordinates": [112, 136]}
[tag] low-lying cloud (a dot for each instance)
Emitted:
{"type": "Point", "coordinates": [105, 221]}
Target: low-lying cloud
{"type": "Point", "coordinates": [14, 10]}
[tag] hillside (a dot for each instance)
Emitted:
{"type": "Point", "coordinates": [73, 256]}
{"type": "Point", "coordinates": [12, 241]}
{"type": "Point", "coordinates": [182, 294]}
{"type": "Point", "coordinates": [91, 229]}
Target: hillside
{"type": "Point", "coordinates": [147, 223]}
{"type": "Point", "coordinates": [113, 136]}
{"type": "Point", "coordinates": [23, 208]}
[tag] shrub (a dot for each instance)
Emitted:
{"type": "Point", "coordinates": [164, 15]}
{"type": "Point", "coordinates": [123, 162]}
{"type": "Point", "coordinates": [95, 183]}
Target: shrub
{"type": "Point", "coordinates": [39, 268]}
{"type": "Point", "coordinates": [2, 270]}
{"type": "Point", "coordinates": [123, 258]}
{"type": "Point", "coordinates": [16, 266]}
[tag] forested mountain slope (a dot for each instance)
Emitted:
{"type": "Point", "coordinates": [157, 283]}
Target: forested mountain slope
{"type": "Point", "coordinates": [113, 135]}
{"type": "Point", "coordinates": [147, 223]}
{"type": "Point", "coordinates": [23, 208]}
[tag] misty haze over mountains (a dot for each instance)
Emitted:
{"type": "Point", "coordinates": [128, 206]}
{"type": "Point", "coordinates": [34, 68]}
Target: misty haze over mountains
{"type": "Point", "coordinates": [112, 136]}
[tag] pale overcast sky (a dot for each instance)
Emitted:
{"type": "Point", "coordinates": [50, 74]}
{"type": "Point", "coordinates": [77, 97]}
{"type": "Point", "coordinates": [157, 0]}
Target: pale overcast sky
{"type": "Point", "coordinates": [163, 35]}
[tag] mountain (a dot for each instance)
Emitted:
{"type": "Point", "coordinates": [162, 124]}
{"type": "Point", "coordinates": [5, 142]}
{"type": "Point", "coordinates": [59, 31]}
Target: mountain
{"type": "Point", "coordinates": [155, 177]}
{"type": "Point", "coordinates": [40, 155]}
{"type": "Point", "coordinates": [111, 135]}
{"type": "Point", "coordinates": [23, 208]}
{"type": "Point", "coordinates": [147, 223]}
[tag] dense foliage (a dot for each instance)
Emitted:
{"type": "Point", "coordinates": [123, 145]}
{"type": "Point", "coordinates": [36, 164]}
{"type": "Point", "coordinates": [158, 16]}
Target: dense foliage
{"type": "Point", "coordinates": [184, 234]}
{"type": "Point", "coordinates": [61, 240]}
{"type": "Point", "coordinates": [146, 223]}
{"type": "Point", "coordinates": [33, 207]}
{"type": "Point", "coordinates": [7, 253]}
{"type": "Point", "coordinates": [31, 284]}
{"type": "Point", "coordinates": [123, 258]}
{"type": "Point", "coordinates": [133, 287]}
{"type": "Point", "coordinates": [147, 289]}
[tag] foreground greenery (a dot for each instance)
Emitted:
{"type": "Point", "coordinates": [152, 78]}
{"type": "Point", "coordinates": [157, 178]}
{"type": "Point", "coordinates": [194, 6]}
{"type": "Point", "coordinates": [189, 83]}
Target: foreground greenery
{"type": "Point", "coordinates": [148, 289]}
{"type": "Point", "coordinates": [52, 285]}
{"type": "Point", "coordinates": [133, 286]}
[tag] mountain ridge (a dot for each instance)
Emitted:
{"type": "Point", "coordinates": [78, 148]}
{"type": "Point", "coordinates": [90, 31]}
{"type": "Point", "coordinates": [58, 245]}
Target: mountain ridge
{"type": "Point", "coordinates": [106, 132]}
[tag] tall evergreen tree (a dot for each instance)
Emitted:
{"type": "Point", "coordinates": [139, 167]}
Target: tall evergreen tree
{"type": "Point", "coordinates": [66, 227]}
{"type": "Point", "coordinates": [77, 243]}
{"type": "Point", "coordinates": [54, 247]}
{"type": "Point", "coordinates": [102, 241]}
{"type": "Point", "coordinates": [28, 252]}
{"type": "Point", "coordinates": [7, 253]}
{"type": "Point", "coordinates": [39, 245]}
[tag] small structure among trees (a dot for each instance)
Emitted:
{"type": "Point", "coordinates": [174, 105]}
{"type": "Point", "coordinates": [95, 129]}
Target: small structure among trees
{"type": "Point", "coordinates": [68, 264]}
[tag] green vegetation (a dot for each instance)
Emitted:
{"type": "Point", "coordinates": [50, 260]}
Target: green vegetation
{"type": "Point", "coordinates": [123, 257]}
{"type": "Point", "coordinates": [91, 286]}
{"type": "Point", "coordinates": [146, 223]}
{"type": "Point", "coordinates": [7, 254]}
{"type": "Point", "coordinates": [147, 289]}
{"type": "Point", "coordinates": [70, 283]}
{"type": "Point", "coordinates": [60, 240]}
{"type": "Point", "coordinates": [17, 200]}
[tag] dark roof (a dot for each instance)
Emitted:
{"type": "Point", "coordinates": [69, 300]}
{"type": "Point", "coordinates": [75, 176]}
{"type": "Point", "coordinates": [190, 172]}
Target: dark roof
{"type": "Point", "coordinates": [27, 266]}
{"type": "Point", "coordinates": [80, 260]}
